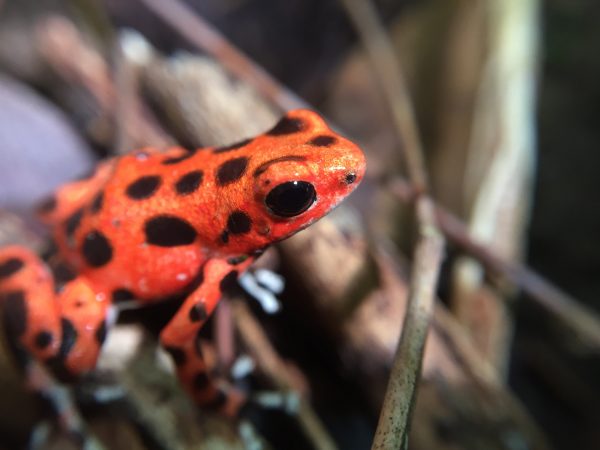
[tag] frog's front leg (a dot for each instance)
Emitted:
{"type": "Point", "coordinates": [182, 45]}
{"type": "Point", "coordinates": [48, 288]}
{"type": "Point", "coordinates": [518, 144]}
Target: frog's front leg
{"type": "Point", "coordinates": [180, 336]}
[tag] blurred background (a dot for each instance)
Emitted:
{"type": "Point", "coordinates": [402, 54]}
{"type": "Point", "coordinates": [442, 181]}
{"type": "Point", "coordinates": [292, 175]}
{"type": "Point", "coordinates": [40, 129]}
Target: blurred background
{"type": "Point", "coordinates": [506, 99]}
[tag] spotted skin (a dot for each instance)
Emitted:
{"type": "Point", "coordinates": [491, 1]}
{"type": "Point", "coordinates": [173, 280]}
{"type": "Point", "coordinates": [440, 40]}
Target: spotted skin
{"type": "Point", "coordinates": [149, 225]}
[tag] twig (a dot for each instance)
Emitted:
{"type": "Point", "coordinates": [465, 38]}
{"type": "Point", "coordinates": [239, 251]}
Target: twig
{"type": "Point", "coordinates": [272, 365]}
{"type": "Point", "coordinates": [125, 85]}
{"type": "Point", "coordinates": [388, 71]}
{"type": "Point", "coordinates": [394, 421]}
{"type": "Point", "coordinates": [203, 35]}
{"type": "Point", "coordinates": [584, 322]}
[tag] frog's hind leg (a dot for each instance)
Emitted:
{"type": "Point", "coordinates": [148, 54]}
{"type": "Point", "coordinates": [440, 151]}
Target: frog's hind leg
{"type": "Point", "coordinates": [30, 312]}
{"type": "Point", "coordinates": [179, 338]}
{"type": "Point", "coordinates": [63, 331]}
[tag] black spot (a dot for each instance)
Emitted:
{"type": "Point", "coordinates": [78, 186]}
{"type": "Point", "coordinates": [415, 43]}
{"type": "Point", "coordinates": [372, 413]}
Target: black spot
{"type": "Point", "coordinates": [264, 166]}
{"type": "Point", "coordinates": [198, 312]}
{"type": "Point", "coordinates": [201, 381]}
{"type": "Point", "coordinates": [287, 125]}
{"type": "Point", "coordinates": [43, 339]}
{"type": "Point", "coordinates": [178, 159]}
{"type": "Point", "coordinates": [72, 223]}
{"type": "Point", "coordinates": [69, 337]}
{"type": "Point", "coordinates": [96, 249]}
{"type": "Point", "coordinates": [10, 267]}
{"type": "Point", "coordinates": [229, 281]}
{"type": "Point", "coordinates": [97, 203]}
{"type": "Point", "coordinates": [228, 148]}
{"type": "Point", "coordinates": [231, 170]}
{"type": "Point", "coordinates": [63, 273]}
{"type": "Point", "coordinates": [59, 368]}
{"type": "Point", "coordinates": [169, 231]}
{"type": "Point", "coordinates": [121, 295]}
{"type": "Point", "coordinates": [101, 332]}
{"type": "Point", "coordinates": [322, 141]}
{"type": "Point", "coordinates": [235, 260]}
{"type": "Point", "coordinates": [47, 206]}
{"type": "Point", "coordinates": [196, 281]}
{"type": "Point", "coordinates": [224, 237]}
{"type": "Point", "coordinates": [239, 222]}
{"type": "Point", "coordinates": [350, 178]}
{"type": "Point", "coordinates": [197, 344]}
{"type": "Point", "coordinates": [217, 402]}
{"type": "Point", "coordinates": [189, 182]}
{"type": "Point", "coordinates": [143, 187]}
{"type": "Point", "coordinates": [178, 355]}
{"type": "Point", "coordinates": [15, 312]}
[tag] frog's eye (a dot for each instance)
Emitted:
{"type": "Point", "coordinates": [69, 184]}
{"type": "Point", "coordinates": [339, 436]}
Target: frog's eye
{"type": "Point", "coordinates": [291, 198]}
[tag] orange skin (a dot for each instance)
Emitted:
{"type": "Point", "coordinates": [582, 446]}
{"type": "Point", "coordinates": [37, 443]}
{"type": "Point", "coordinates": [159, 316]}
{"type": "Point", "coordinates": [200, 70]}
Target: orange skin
{"type": "Point", "coordinates": [150, 225]}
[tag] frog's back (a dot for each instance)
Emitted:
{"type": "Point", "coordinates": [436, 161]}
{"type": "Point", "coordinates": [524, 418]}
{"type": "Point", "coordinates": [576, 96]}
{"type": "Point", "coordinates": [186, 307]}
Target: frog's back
{"type": "Point", "coordinates": [144, 223]}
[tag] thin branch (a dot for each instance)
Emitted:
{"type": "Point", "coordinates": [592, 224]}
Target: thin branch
{"type": "Point", "coordinates": [394, 420]}
{"type": "Point", "coordinates": [391, 80]}
{"type": "Point", "coordinates": [582, 321]}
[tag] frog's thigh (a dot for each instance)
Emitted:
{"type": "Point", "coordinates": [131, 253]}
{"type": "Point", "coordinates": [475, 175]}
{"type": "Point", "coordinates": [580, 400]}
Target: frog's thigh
{"type": "Point", "coordinates": [64, 330]}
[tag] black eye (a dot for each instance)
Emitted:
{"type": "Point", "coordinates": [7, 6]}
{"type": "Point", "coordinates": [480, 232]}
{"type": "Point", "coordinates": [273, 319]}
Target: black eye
{"type": "Point", "coordinates": [291, 198]}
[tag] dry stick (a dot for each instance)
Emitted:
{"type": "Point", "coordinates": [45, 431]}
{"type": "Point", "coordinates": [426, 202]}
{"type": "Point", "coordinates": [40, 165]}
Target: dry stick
{"type": "Point", "coordinates": [203, 35]}
{"type": "Point", "coordinates": [394, 421]}
{"type": "Point", "coordinates": [582, 321]}
{"type": "Point", "coordinates": [388, 71]}
{"type": "Point", "coordinates": [271, 364]}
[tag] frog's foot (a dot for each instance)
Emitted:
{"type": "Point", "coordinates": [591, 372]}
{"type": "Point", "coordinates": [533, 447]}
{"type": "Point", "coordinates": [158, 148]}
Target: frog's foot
{"type": "Point", "coordinates": [64, 409]}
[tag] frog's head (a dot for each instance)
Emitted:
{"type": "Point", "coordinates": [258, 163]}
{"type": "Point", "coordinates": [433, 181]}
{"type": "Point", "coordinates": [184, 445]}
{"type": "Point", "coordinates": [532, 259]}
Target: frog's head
{"type": "Point", "coordinates": [296, 173]}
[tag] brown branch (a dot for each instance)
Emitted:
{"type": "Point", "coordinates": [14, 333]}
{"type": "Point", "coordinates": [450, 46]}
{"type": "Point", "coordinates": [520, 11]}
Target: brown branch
{"type": "Point", "coordinates": [391, 80]}
{"type": "Point", "coordinates": [394, 420]}
{"type": "Point", "coordinates": [584, 322]}
{"type": "Point", "coordinates": [204, 36]}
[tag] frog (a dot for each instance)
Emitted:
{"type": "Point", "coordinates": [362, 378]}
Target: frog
{"type": "Point", "coordinates": [150, 225]}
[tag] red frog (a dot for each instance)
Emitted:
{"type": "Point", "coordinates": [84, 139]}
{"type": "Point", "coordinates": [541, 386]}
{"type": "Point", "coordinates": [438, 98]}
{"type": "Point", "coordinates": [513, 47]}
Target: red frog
{"type": "Point", "coordinates": [148, 225]}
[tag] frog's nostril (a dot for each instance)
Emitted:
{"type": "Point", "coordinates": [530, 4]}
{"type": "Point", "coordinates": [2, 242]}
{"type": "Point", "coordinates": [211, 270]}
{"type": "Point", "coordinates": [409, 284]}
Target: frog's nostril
{"type": "Point", "coordinates": [350, 178]}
